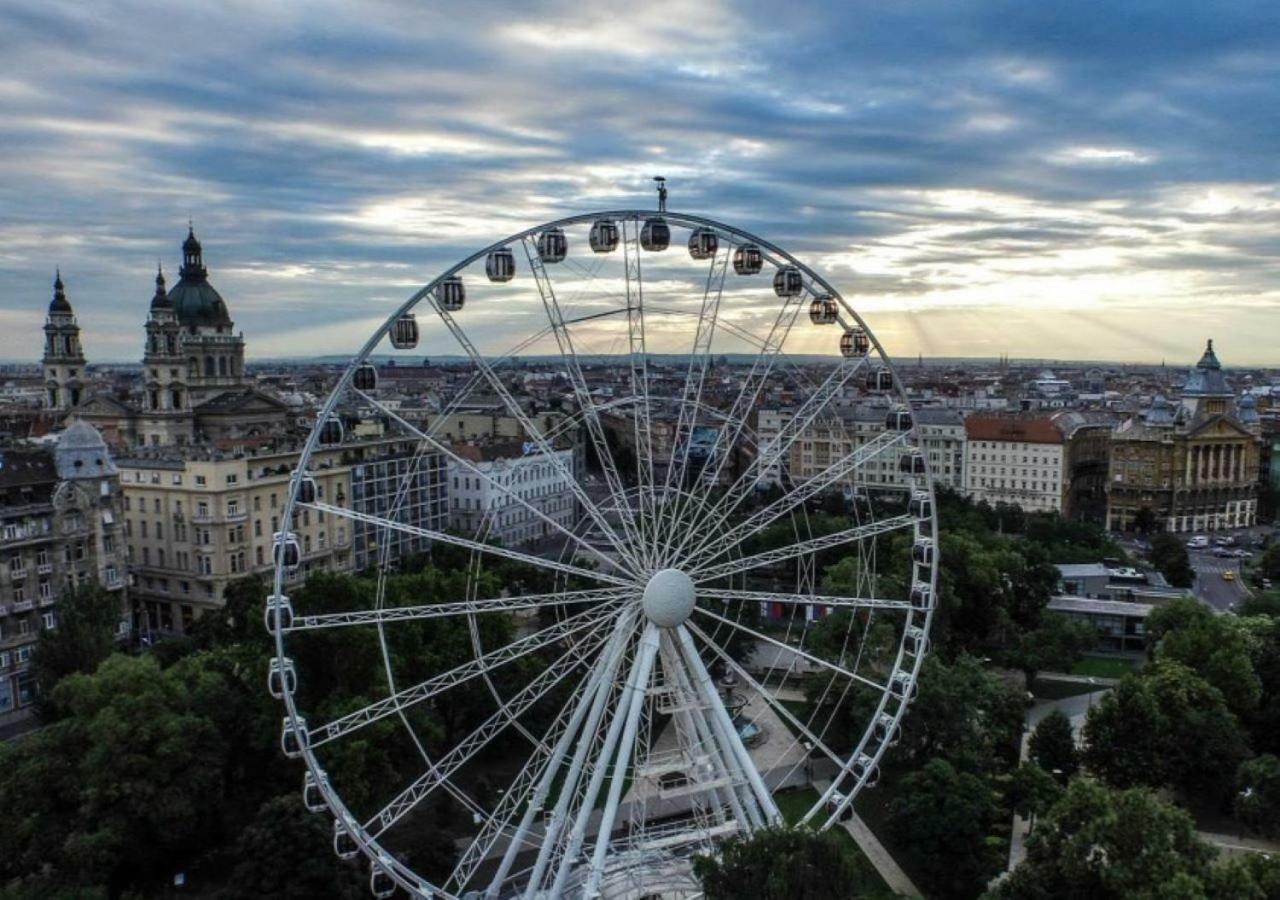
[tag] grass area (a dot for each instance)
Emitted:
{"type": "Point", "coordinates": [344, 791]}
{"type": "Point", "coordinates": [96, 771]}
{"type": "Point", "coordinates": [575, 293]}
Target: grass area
{"type": "Point", "coordinates": [794, 803]}
{"type": "Point", "coordinates": [1047, 689]}
{"type": "Point", "coordinates": [1105, 666]}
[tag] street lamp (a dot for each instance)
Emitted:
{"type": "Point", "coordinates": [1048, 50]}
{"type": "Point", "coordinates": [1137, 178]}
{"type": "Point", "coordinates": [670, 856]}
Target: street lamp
{"type": "Point", "coordinates": [808, 762]}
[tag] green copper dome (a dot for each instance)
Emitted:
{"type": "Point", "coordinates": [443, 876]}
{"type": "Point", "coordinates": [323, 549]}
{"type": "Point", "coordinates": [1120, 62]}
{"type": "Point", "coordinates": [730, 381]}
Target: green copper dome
{"type": "Point", "coordinates": [195, 302]}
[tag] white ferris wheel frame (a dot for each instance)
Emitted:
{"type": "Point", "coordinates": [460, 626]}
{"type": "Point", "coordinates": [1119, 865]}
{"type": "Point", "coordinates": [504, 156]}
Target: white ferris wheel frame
{"type": "Point", "coordinates": [638, 555]}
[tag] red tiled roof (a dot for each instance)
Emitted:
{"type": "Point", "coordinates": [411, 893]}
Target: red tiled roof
{"type": "Point", "coordinates": [1019, 429]}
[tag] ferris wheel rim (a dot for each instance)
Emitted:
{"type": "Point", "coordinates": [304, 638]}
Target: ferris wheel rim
{"type": "Point", "coordinates": [372, 848]}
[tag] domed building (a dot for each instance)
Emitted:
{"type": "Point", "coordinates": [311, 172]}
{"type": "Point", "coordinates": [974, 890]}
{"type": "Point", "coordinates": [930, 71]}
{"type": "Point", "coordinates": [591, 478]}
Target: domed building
{"type": "Point", "coordinates": [195, 389]}
{"type": "Point", "coordinates": [1194, 464]}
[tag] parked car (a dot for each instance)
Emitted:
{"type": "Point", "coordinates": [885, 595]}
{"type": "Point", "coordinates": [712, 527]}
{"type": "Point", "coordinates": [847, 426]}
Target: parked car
{"type": "Point", "coordinates": [1223, 552]}
{"type": "Point", "coordinates": [1199, 542]}
{"type": "Point", "coordinates": [1243, 554]}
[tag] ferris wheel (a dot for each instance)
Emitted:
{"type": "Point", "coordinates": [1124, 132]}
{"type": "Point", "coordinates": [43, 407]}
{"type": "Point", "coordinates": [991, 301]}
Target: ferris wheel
{"type": "Point", "coordinates": [705, 427]}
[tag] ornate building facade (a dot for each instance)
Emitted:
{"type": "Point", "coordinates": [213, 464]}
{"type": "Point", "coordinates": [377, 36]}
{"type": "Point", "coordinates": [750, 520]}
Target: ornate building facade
{"type": "Point", "coordinates": [1194, 464]}
{"type": "Point", "coordinates": [60, 515]}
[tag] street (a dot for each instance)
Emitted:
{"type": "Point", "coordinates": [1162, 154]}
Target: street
{"type": "Point", "coordinates": [1210, 586]}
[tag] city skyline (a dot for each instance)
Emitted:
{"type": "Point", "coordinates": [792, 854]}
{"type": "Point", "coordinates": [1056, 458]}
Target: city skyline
{"type": "Point", "coordinates": [987, 181]}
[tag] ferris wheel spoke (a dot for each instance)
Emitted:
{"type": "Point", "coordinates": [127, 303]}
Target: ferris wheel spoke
{"type": "Point", "coordinates": [764, 693]}
{"type": "Point", "coordinates": [449, 763]}
{"type": "Point", "coordinates": [475, 668]}
{"type": "Point", "coordinates": [388, 614]}
{"type": "Point", "coordinates": [726, 439]}
{"type": "Point", "coordinates": [859, 533]}
{"type": "Point", "coordinates": [715, 546]}
{"type": "Point", "coordinates": [445, 537]}
{"type": "Point", "coordinates": [767, 597]}
{"type": "Point", "coordinates": [818, 402]}
{"type": "Point", "coordinates": [803, 654]}
{"type": "Point", "coordinates": [531, 786]}
{"type": "Point", "coordinates": [695, 377]}
{"type": "Point", "coordinates": [535, 434]}
{"type": "Point", "coordinates": [506, 491]}
{"type": "Point", "coordinates": [639, 364]}
{"type": "Point", "coordinates": [582, 392]}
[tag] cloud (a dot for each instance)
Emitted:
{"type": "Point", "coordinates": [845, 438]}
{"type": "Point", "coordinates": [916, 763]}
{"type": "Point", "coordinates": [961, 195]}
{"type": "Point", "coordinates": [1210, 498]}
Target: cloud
{"type": "Point", "coordinates": [935, 159]}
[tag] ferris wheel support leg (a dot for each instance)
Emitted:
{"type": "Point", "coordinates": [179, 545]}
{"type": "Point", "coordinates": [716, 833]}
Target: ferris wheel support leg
{"type": "Point", "coordinates": [702, 678]}
{"type": "Point", "coordinates": [579, 833]}
{"type": "Point", "coordinates": [699, 726]}
{"type": "Point", "coordinates": [644, 668]}
{"type": "Point", "coordinates": [590, 707]}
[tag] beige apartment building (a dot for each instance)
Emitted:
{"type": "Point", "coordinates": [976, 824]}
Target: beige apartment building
{"type": "Point", "coordinates": [196, 520]}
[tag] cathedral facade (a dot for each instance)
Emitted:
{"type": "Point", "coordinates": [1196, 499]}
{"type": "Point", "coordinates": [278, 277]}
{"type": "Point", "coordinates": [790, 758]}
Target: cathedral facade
{"type": "Point", "coordinates": [194, 386]}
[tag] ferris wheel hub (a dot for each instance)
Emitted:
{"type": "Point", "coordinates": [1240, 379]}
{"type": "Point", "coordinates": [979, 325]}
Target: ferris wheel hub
{"type": "Point", "coordinates": [668, 598]}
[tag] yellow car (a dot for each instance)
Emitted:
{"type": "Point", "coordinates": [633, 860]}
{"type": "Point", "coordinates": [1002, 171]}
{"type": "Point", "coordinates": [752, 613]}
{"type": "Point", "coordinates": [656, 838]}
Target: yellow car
{"type": "Point", "coordinates": [1228, 576]}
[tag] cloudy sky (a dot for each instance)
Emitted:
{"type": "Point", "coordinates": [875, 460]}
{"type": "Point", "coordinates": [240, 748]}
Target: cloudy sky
{"type": "Point", "coordinates": [1084, 180]}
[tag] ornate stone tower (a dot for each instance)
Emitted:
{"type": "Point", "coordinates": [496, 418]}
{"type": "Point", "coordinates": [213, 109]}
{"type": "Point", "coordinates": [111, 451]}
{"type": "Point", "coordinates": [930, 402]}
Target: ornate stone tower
{"type": "Point", "coordinates": [64, 362]}
{"type": "Point", "coordinates": [166, 403]}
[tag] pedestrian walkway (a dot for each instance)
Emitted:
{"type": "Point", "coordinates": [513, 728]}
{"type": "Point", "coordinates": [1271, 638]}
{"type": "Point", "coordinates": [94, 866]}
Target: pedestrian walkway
{"type": "Point", "coordinates": [1075, 709]}
{"type": "Point", "coordinates": [875, 852]}
{"type": "Point", "coordinates": [1233, 845]}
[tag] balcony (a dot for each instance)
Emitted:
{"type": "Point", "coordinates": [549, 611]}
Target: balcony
{"type": "Point", "coordinates": [44, 569]}
{"type": "Point", "coordinates": [17, 574]}
{"type": "Point", "coordinates": [23, 606]}
{"type": "Point", "coordinates": [48, 601]}
{"type": "Point", "coordinates": [240, 516]}
{"type": "Point", "coordinates": [203, 518]}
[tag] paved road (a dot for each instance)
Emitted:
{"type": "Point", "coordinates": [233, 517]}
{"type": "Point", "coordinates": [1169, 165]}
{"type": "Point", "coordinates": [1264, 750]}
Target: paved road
{"type": "Point", "coordinates": [1210, 586]}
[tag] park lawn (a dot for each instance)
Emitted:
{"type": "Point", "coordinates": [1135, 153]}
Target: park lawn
{"type": "Point", "coordinates": [1105, 666]}
{"type": "Point", "coordinates": [795, 802]}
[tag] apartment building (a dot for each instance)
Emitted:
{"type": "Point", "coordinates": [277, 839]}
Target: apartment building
{"type": "Point", "coordinates": [196, 520]}
{"type": "Point", "coordinates": [60, 513]}
{"type": "Point", "coordinates": [478, 503]}
{"type": "Point", "coordinates": [1015, 459]}
{"type": "Point", "coordinates": [845, 429]}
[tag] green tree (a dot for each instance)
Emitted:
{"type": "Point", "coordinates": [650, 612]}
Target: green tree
{"type": "Point", "coordinates": [940, 821]}
{"type": "Point", "coordinates": [1030, 791]}
{"type": "Point", "coordinates": [1269, 563]}
{"type": "Point", "coordinates": [1110, 845]}
{"type": "Point", "coordinates": [780, 863]}
{"type": "Point", "coordinates": [85, 635]}
{"type": "Point", "coordinates": [288, 852]}
{"type": "Point", "coordinates": [1053, 746]}
{"type": "Point", "coordinates": [1144, 520]}
{"type": "Point", "coordinates": [1055, 645]}
{"type": "Point", "coordinates": [1166, 726]}
{"type": "Point", "coordinates": [1257, 800]}
{"type": "Point", "coordinates": [1169, 556]}
{"type": "Point", "coordinates": [965, 714]}
{"type": "Point", "coordinates": [122, 791]}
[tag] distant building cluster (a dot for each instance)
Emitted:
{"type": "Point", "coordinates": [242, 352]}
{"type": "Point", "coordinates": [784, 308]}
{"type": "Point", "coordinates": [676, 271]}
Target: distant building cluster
{"type": "Point", "coordinates": [1194, 463]}
{"type": "Point", "coordinates": [166, 480]}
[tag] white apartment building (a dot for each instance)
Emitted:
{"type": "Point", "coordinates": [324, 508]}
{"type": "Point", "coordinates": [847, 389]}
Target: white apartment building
{"type": "Point", "coordinates": [827, 439]}
{"type": "Point", "coordinates": [1017, 460]}
{"type": "Point", "coordinates": [477, 503]}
